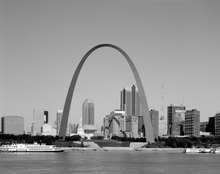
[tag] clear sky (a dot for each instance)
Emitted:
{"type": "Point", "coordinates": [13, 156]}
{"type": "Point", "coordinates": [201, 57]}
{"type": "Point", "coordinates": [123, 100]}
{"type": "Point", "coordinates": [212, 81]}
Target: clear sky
{"type": "Point", "coordinates": [175, 43]}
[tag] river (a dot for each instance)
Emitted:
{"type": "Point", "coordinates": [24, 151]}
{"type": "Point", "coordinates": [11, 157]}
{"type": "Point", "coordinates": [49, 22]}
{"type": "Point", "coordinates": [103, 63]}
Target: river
{"type": "Point", "coordinates": [108, 162]}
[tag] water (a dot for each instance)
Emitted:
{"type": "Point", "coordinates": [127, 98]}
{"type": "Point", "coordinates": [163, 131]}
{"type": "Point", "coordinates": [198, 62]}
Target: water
{"type": "Point", "coordinates": [95, 162]}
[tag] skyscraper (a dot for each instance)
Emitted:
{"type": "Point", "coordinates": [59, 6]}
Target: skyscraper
{"type": "Point", "coordinates": [155, 122]}
{"type": "Point", "coordinates": [88, 112]}
{"type": "Point", "coordinates": [192, 123]}
{"type": "Point", "coordinates": [40, 117]}
{"type": "Point", "coordinates": [130, 101]}
{"type": "Point", "coordinates": [58, 120]}
{"type": "Point", "coordinates": [13, 125]}
{"type": "Point", "coordinates": [175, 116]}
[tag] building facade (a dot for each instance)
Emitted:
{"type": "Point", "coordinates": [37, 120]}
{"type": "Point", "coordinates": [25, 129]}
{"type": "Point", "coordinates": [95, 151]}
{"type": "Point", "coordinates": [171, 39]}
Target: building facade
{"type": "Point", "coordinates": [12, 125]}
{"type": "Point", "coordinates": [88, 112]}
{"type": "Point", "coordinates": [192, 123]}
{"type": "Point", "coordinates": [175, 120]}
{"type": "Point", "coordinates": [40, 117]}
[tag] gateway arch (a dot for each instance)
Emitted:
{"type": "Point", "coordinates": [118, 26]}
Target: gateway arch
{"type": "Point", "coordinates": [146, 115]}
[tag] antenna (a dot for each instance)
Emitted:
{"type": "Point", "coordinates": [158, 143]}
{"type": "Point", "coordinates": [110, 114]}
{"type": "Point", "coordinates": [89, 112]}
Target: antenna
{"type": "Point", "coordinates": [162, 105]}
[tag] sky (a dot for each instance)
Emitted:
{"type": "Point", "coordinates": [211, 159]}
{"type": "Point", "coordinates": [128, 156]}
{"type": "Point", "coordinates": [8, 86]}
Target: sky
{"type": "Point", "coordinates": [174, 43]}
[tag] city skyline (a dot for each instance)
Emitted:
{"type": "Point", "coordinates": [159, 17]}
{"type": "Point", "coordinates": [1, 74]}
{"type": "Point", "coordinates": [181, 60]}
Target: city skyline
{"type": "Point", "coordinates": [41, 45]}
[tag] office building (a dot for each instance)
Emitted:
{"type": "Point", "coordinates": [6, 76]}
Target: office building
{"type": "Point", "coordinates": [155, 122]}
{"type": "Point", "coordinates": [40, 117]}
{"type": "Point", "coordinates": [88, 112]}
{"type": "Point", "coordinates": [12, 125]}
{"type": "Point", "coordinates": [130, 101]}
{"type": "Point", "coordinates": [175, 120]}
{"type": "Point", "coordinates": [192, 123]}
{"type": "Point", "coordinates": [58, 120]}
{"type": "Point", "coordinates": [217, 124]}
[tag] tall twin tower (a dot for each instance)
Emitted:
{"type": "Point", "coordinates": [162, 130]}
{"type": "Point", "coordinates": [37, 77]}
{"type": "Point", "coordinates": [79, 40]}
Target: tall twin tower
{"type": "Point", "coordinates": [130, 101]}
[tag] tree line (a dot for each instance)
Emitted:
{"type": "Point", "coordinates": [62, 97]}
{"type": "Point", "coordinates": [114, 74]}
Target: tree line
{"type": "Point", "coordinates": [161, 142]}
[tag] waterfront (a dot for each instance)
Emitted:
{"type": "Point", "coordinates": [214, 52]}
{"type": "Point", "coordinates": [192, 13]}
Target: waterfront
{"type": "Point", "coordinates": [109, 162]}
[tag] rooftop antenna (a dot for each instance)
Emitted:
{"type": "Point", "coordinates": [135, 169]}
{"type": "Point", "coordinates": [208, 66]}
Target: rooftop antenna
{"type": "Point", "coordinates": [162, 117]}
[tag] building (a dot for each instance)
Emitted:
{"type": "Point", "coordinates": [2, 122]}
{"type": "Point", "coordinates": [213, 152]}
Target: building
{"type": "Point", "coordinates": [12, 125]}
{"type": "Point", "coordinates": [175, 120]}
{"type": "Point", "coordinates": [88, 112]}
{"type": "Point", "coordinates": [40, 117]}
{"type": "Point", "coordinates": [132, 126]}
{"type": "Point", "coordinates": [203, 126]}
{"type": "Point", "coordinates": [58, 120]}
{"type": "Point", "coordinates": [192, 123]}
{"type": "Point", "coordinates": [48, 129]}
{"type": "Point", "coordinates": [210, 127]}
{"type": "Point", "coordinates": [141, 126]}
{"type": "Point", "coordinates": [115, 124]}
{"type": "Point", "coordinates": [130, 101]}
{"type": "Point", "coordinates": [73, 128]}
{"type": "Point", "coordinates": [162, 126]}
{"type": "Point", "coordinates": [217, 124]}
{"type": "Point", "coordinates": [155, 122]}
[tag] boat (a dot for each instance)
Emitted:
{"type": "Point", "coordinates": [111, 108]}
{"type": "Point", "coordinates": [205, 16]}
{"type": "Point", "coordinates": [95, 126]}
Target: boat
{"type": "Point", "coordinates": [30, 148]}
{"type": "Point", "coordinates": [217, 150]}
{"type": "Point", "coordinates": [198, 150]}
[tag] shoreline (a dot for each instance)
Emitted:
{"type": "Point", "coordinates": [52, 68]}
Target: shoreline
{"type": "Point", "coordinates": [148, 150]}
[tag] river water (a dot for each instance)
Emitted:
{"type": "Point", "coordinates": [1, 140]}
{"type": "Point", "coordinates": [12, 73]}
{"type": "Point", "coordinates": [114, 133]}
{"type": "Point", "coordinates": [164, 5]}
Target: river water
{"type": "Point", "coordinates": [108, 162]}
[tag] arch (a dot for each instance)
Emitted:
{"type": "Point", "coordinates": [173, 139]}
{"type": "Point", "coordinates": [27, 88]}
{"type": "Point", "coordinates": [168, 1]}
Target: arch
{"type": "Point", "coordinates": [144, 105]}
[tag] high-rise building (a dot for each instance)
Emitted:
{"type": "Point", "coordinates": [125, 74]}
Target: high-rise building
{"type": "Point", "coordinates": [130, 101]}
{"type": "Point", "coordinates": [58, 120]}
{"type": "Point", "coordinates": [175, 120]}
{"type": "Point", "coordinates": [217, 124]}
{"type": "Point", "coordinates": [40, 117]}
{"type": "Point", "coordinates": [88, 112]}
{"type": "Point", "coordinates": [12, 125]}
{"type": "Point", "coordinates": [210, 127]}
{"type": "Point", "coordinates": [192, 123]}
{"type": "Point", "coordinates": [163, 118]}
{"type": "Point", "coordinates": [155, 122]}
